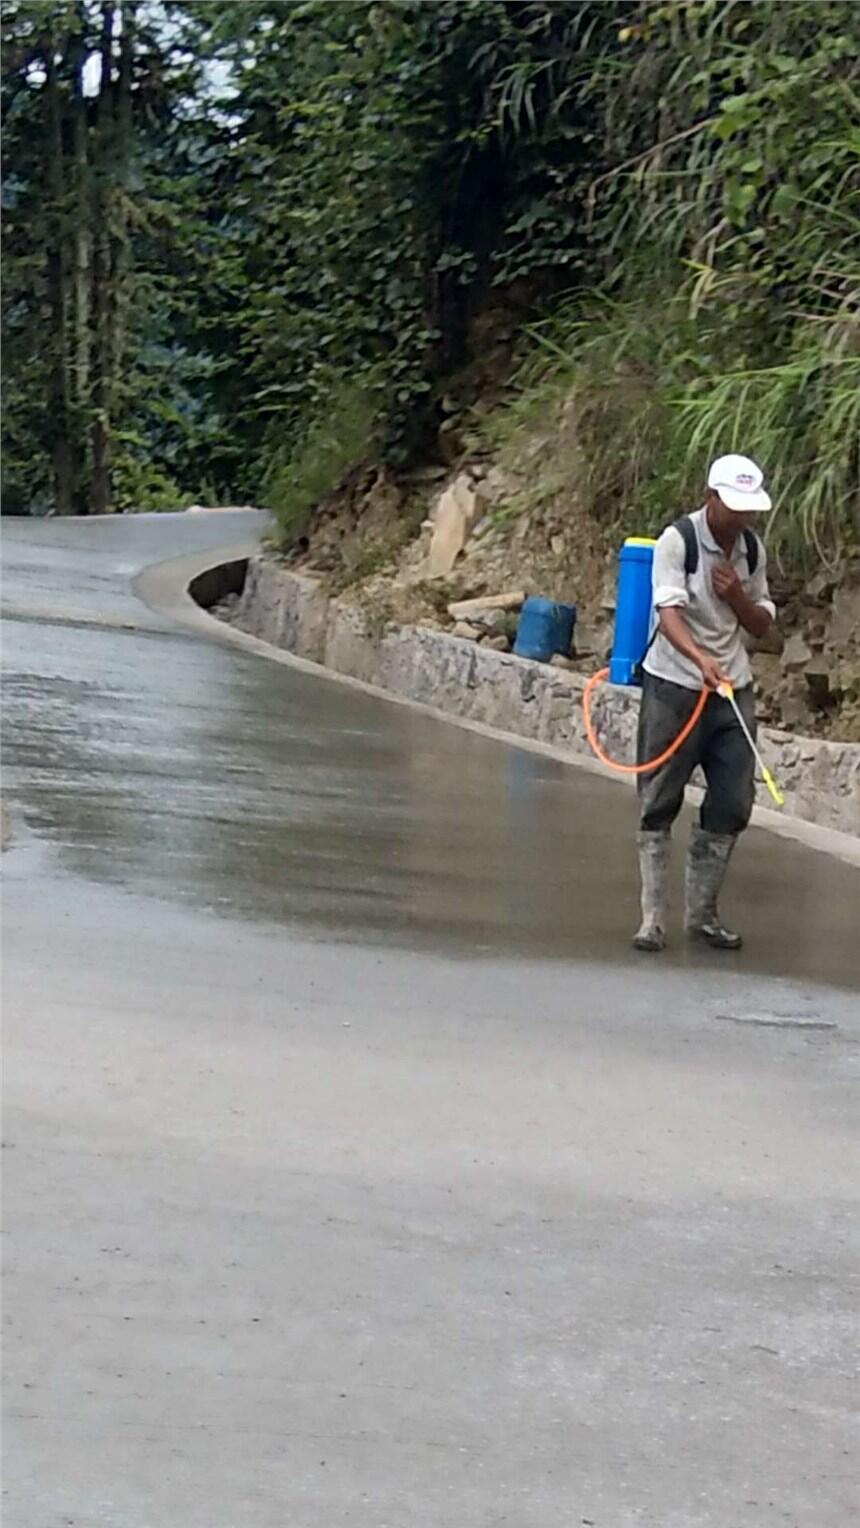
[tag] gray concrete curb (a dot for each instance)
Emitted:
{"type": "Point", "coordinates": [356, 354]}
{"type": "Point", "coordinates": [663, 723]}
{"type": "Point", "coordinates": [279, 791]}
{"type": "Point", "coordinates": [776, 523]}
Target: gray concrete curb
{"type": "Point", "coordinates": [165, 588]}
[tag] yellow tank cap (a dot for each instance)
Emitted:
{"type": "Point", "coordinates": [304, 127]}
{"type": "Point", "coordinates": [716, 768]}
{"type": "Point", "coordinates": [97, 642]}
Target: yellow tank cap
{"type": "Point", "coordinates": [640, 541]}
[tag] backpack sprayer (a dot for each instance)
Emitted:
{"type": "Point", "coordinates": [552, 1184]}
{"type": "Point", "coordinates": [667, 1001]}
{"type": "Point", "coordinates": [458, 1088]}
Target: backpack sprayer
{"type": "Point", "coordinates": [634, 619]}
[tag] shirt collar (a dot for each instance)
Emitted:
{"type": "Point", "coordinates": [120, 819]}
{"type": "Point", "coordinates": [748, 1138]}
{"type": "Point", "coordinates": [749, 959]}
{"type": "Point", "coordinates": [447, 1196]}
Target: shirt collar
{"type": "Point", "coordinates": [706, 536]}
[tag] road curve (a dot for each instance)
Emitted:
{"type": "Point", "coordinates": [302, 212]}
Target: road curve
{"type": "Point", "coordinates": [356, 1172]}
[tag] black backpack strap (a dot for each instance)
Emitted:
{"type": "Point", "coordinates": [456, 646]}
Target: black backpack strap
{"type": "Point", "coordinates": [751, 544]}
{"type": "Point", "coordinates": [651, 640]}
{"type": "Point", "coordinates": [687, 531]}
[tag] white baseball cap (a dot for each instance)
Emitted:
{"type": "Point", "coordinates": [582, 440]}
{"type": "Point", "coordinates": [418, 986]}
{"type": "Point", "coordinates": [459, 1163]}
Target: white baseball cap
{"type": "Point", "coordinates": [739, 483]}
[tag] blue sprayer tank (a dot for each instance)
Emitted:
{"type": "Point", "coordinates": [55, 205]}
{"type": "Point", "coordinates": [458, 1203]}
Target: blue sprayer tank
{"type": "Point", "coordinates": [545, 627]}
{"type": "Point", "coordinates": [632, 609]}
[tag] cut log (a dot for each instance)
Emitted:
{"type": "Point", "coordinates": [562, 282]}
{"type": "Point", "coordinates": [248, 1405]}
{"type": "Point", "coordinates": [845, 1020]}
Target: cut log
{"type": "Point", "coordinates": [512, 600]}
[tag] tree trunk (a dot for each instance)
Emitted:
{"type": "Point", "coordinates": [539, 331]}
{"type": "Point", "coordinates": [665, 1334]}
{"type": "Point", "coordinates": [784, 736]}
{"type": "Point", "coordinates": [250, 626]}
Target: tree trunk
{"type": "Point", "coordinates": [100, 489]}
{"type": "Point", "coordinates": [83, 221]}
{"type": "Point", "coordinates": [59, 386]}
{"type": "Point", "coordinates": [121, 243]}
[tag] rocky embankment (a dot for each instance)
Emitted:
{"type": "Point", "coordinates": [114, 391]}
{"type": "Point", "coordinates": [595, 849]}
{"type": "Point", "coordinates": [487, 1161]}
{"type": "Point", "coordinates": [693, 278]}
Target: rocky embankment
{"type": "Point", "coordinates": [411, 551]}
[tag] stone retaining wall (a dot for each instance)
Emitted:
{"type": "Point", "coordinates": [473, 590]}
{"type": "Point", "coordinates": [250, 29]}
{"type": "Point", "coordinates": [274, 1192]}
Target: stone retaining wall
{"type": "Point", "coordinates": [821, 780]}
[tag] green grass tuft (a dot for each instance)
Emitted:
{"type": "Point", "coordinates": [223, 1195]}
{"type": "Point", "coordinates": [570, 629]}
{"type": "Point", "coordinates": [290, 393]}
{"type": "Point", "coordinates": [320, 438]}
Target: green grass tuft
{"type": "Point", "coordinates": [621, 405]}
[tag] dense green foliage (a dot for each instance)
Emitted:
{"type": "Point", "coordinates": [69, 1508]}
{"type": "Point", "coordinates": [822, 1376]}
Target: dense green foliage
{"type": "Point", "coordinates": [379, 188]}
{"type": "Point", "coordinates": [281, 255]}
{"type": "Point", "coordinates": [98, 395]}
{"type": "Point", "coordinates": [728, 316]}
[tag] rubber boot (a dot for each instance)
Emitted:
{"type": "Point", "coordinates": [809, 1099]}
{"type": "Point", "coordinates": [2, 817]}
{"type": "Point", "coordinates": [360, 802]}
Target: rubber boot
{"type": "Point", "coordinates": [707, 863]}
{"type": "Point", "coordinates": [654, 874]}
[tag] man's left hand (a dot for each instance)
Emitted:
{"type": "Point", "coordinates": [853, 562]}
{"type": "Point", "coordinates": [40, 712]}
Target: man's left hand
{"type": "Point", "coordinates": [727, 585]}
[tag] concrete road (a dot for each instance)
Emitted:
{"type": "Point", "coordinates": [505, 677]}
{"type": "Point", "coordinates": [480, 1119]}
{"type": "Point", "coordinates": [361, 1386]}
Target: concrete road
{"type": "Point", "coordinates": [356, 1172]}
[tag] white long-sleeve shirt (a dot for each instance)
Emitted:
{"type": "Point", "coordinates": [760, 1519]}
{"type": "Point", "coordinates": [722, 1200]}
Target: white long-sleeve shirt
{"type": "Point", "coordinates": [712, 623]}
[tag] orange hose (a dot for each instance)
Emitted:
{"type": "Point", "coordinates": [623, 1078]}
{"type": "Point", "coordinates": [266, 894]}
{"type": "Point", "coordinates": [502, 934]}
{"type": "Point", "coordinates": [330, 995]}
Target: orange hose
{"type": "Point", "coordinates": [635, 769]}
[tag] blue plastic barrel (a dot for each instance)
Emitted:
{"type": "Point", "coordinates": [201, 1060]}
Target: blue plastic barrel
{"type": "Point", "coordinates": [545, 627]}
{"type": "Point", "coordinates": [632, 609]}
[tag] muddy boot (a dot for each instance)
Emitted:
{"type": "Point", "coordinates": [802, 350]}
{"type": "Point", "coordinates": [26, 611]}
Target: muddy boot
{"type": "Point", "coordinates": [707, 862]}
{"type": "Point", "coordinates": [654, 873]}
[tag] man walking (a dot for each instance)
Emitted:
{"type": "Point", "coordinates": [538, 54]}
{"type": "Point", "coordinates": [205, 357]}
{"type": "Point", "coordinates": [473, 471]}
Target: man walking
{"type": "Point", "coordinates": [710, 586]}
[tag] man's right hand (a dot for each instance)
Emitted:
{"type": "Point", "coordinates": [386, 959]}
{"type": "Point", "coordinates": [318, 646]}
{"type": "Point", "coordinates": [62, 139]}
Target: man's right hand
{"type": "Point", "coordinates": [712, 674]}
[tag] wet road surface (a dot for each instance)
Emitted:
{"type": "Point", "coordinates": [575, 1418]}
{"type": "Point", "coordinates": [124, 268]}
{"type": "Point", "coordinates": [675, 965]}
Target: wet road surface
{"type": "Point", "coordinates": [356, 1170]}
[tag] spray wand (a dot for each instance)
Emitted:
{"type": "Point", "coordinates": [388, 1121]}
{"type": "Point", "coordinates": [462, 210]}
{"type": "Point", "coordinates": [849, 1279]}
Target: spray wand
{"type": "Point", "coordinates": [728, 694]}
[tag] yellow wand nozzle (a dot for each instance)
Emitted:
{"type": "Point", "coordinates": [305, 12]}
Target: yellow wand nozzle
{"type": "Point", "coordinates": [772, 786]}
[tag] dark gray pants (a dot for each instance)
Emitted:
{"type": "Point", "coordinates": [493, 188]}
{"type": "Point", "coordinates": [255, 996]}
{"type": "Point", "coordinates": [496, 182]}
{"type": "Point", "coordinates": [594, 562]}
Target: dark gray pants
{"type": "Point", "coordinates": [716, 743]}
